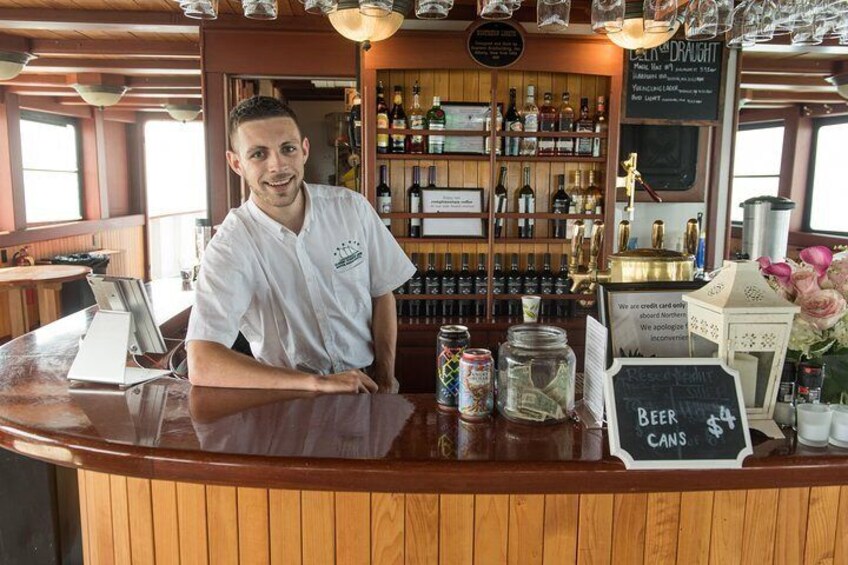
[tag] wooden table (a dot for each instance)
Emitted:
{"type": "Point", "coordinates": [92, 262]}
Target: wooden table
{"type": "Point", "coordinates": [47, 280]}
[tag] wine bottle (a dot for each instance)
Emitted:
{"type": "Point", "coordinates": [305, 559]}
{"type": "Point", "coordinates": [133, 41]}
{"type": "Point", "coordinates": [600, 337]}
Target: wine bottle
{"type": "Point", "coordinates": [560, 204]}
{"type": "Point", "coordinates": [382, 120]}
{"type": "Point", "coordinates": [500, 202]}
{"type": "Point", "coordinates": [448, 286]}
{"type": "Point", "coordinates": [416, 119]}
{"type": "Point", "coordinates": [480, 285]}
{"type": "Point", "coordinates": [498, 284]}
{"type": "Point", "coordinates": [355, 125]}
{"type": "Point", "coordinates": [398, 121]}
{"type": "Point", "coordinates": [562, 285]}
{"type": "Point", "coordinates": [514, 286]}
{"type": "Point", "coordinates": [384, 196]}
{"type": "Point", "coordinates": [530, 280]}
{"type": "Point", "coordinates": [526, 205]}
{"type": "Point", "coordinates": [415, 286]}
{"type": "Point", "coordinates": [414, 202]}
{"type": "Point", "coordinates": [465, 286]}
{"type": "Point", "coordinates": [546, 284]}
{"type": "Point", "coordinates": [431, 286]}
{"type": "Point", "coordinates": [512, 122]}
{"type": "Point", "coordinates": [431, 176]}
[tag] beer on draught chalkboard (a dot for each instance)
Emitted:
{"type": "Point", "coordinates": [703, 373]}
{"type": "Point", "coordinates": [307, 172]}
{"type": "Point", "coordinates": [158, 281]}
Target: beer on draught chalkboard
{"type": "Point", "coordinates": [451, 343]}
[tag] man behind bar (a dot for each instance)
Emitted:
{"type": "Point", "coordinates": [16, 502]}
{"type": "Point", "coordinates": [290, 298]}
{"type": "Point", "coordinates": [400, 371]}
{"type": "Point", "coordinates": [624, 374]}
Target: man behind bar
{"type": "Point", "coordinates": [304, 271]}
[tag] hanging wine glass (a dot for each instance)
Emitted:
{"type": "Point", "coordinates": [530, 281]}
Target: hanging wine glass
{"type": "Point", "coordinates": [659, 15]}
{"type": "Point", "coordinates": [553, 17]}
{"type": "Point", "coordinates": [375, 8]}
{"type": "Point", "coordinates": [740, 34]}
{"type": "Point", "coordinates": [607, 16]}
{"type": "Point", "coordinates": [494, 10]}
{"type": "Point", "coordinates": [701, 20]}
{"type": "Point", "coordinates": [432, 9]}
{"type": "Point", "coordinates": [724, 8]}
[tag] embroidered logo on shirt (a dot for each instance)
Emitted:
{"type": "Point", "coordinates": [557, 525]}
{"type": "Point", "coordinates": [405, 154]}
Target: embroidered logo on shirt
{"type": "Point", "coordinates": [347, 255]}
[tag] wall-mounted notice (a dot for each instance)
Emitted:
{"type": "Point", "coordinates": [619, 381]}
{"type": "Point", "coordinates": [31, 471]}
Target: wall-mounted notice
{"type": "Point", "coordinates": [496, 44]}
{"type": "Point", "coordinates": [676, 414]}
{"type": "Point", "coordinates": [677, 81]}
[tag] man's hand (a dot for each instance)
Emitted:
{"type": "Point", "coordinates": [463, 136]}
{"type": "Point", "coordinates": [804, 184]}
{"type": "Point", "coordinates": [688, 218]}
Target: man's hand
{"type": "Point", "coordinates": [386, 382]}
{"type": "Point", "coordinates": [348, 381]}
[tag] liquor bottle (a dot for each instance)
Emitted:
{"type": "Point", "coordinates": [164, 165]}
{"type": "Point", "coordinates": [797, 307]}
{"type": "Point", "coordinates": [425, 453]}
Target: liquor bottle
{"type": "Point", "coordinates": [384, 196]}
{"type": "Point", "coordinates": [546, 284]}
{"type": "Point", "coordinates": [487, 142]}
{"type": "Point", "coordinates": [498, 285]}
{"type": "Point", "coordinates": [415, 286]}
{"type": "Point", "coordinates": [431, 176]}
{"type": "Point", "coordinates": [414, 202]}
{"type": "Point", "coordinates": [584, 124]}
{"type": "Point", "coordinates": [599, 145]}
{"type": "Point", "coordinates": [448, 285]}
{"type": "Point", "coordinates": [398, 120]}
{"type": "Point", "coordinates": [547, 122]}
{"type": "Point", "coordinates": [565, 145]}
{"type": "Point", "coordinates": [501, 200]}
{"type": "Point", "coordinates": [416, 119]}
{"type": "Point", "coordinates": [562, 285]}
{"type": "Point", "coordinates": [560, 204]}
{"type": "Point", "coordinates": [382, 120]}
{"type": "Point", "coordinates": [514, 286]}
{"type": "Point", "coordinates": [578, 196]}
{"type": "Point", "coordinates": [436, 121]}
{"type": "Point", "coordinates": [526, 205]}
{"type": "Point", "coordinates": [512, 122]}
{"type": "Point", "coordinates": [591, 194]}
{"type": "Point", "coordinates": [530, 117]}
{"type": "Point", "coordinates": [431, 286]}
{"type": "Point", "coordinates": [355, 125]}
{"type": "Point", "coordinates": [465, 286]}
{"type": "Point", "coordinates": [530, 282]}
{"type": "Point", "coordinates": [480, 285]}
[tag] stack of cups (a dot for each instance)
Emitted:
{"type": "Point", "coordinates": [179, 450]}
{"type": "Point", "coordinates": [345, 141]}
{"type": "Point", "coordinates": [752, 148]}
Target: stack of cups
{"type": "Point", "coordinates": [820, 424]}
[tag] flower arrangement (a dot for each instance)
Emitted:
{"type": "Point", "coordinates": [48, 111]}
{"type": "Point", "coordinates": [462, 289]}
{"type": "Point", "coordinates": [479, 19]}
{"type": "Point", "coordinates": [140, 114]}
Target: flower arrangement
{"type": "Point", "coordinates": [819, 285]}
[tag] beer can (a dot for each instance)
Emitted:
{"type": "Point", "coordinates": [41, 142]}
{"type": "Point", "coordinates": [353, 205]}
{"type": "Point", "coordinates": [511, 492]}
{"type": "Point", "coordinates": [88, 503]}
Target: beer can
{"type": "Point", "coordinates": [476, 395]}
{"type": "Point", "coordinates": [451, 342]}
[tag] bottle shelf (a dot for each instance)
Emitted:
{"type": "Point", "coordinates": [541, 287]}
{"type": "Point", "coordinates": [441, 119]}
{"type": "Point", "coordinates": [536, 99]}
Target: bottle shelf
{"type": "Point", "coordinates": [495, 296]}
{"type": "Point", "coordinates": [445, 132]}
{"type": "Point", "coordinates": [485, 215]}
{"type": "Point", "coordinates": [481, 322]}
{"type": "Point", "coordinates": [498, 158]}
{"type": "Point", "coordinates": [497, 241]}
{"type": "Point", "coordinates": [533, 241]}
{"type": "Point", "coordinates": [440, 215]}
{"type": "Point", "coordinates": [441, 239]}
{"type": "Point", "coordinates": [553, 134]}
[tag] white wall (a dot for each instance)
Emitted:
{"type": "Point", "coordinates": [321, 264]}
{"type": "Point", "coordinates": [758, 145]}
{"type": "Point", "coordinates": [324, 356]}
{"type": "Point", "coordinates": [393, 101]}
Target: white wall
{"type": "Point", "coordinates": [320, 165]}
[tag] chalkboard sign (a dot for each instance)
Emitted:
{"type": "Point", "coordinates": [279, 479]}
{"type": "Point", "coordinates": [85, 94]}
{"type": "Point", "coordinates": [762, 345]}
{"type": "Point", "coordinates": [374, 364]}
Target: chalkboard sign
{"type": "Point", "coordinates": [676, 413]}
{"type": "Point", "coordinates": [496, 44]}
{"type": "Point", "coordinates": [677, 81]}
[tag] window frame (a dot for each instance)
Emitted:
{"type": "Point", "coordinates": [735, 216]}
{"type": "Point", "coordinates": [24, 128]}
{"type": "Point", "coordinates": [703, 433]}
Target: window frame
{"type": "Point", "coordinates": [57, 120]}
{"type": "Point", "coordinates": [818, 123]}
{"type": "Point", "coordinates": [748, 126]}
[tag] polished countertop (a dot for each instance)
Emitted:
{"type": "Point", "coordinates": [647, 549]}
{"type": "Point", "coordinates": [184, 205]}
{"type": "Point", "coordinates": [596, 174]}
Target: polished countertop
{"type": "Point", "coordinates": [168, 429]}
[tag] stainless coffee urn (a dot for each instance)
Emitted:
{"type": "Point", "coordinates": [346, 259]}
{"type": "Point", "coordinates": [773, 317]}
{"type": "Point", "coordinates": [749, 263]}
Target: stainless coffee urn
{"type": "Point", "coordinates": [765, 227]}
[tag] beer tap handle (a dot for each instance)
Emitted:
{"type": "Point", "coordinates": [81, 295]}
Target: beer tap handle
{"type": "Point", "coordinates": [691, 242]}
{"type": "Point", "coordinates": [597, 243]}
{"type": "Point", "coordinates": [623, 235]}
{"type": "Point", "coordinates": [577, 246]}
{"type": "Point", "coordinates": [658, 234]}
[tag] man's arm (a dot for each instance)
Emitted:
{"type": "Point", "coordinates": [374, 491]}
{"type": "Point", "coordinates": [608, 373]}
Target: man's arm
{"type": "Point", "coordinates": [384, 334]}
{"type": "Point", "coordinates": [213, 364]}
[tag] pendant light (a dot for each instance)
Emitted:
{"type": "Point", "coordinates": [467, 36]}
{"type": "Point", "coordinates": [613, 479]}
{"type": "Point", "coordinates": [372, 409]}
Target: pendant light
{"type": "Point", "coordinates": [352, 24]}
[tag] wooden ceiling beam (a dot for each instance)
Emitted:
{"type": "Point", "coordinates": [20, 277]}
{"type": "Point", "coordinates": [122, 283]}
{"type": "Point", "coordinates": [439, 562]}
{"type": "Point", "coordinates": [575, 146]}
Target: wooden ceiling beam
{"type": "Point", "coordinates": [97, 20]}
{"type": "Point", "coordinates": [120, 66]}
{"type": "Point", "coordinates": [117, 48]}
{"type": "Point", "coordinates": [68, 91]}
{"type": "Point", "coordinates": [139, 83]}
{"type": "Point", "coordinates": [767, 96]}
{"type": "Point", "coordinates": [795, 66]}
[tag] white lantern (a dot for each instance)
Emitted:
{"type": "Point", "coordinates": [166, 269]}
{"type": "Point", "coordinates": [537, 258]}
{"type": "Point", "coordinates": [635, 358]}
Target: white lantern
{"type": "Point", "coordinates": [741, 318]}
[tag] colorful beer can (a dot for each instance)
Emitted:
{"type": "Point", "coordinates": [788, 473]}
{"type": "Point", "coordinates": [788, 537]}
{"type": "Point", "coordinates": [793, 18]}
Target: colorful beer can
{"type": "Point", "coordinates": [476, 392]}
{"type": "Point", "coordinates": [451, 342]}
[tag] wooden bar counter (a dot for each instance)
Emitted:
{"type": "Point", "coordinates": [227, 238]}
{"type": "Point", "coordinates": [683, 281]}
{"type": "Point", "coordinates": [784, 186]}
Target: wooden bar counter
{"type": "Point", "coordinates": [174, 474]}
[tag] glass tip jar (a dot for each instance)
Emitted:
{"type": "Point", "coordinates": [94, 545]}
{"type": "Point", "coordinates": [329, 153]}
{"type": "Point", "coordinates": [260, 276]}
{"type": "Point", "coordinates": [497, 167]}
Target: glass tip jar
{"type": "Point", "coordinates": [536, 372]}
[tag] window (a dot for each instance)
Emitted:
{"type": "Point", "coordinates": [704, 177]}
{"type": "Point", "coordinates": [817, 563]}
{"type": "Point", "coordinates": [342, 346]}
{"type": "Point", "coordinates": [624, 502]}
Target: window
{"type": "Point", "coordinates": [756, 164]}
{"type": "Point", "coordinates": [175, 173]}
{"type": "Point", "coordinates": [827, 196]}
{"type": "Point", "coordinates": [52, 180]}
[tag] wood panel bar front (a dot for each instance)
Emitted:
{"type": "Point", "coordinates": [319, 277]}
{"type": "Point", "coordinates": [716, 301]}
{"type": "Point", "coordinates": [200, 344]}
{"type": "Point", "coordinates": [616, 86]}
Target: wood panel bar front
{"type": "Point", "coordinates": [334, 527]}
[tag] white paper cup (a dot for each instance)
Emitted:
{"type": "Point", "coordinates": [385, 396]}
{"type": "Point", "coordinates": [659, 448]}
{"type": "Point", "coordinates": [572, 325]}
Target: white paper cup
{"type": "Point", "coordinates": [839, 426]}
{"type": "Point", "coordinates": [813, 424]}
{"type": "Point", "coordinates": [530, 307]}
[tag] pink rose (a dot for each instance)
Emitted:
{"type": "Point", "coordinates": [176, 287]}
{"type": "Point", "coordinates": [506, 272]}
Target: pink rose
{"type": "Point", "coordinates": [805, 282]}
{"type": "Point", "coordinates": [822, 308]}
{"type": "Point", "coordinates": [838, 274]}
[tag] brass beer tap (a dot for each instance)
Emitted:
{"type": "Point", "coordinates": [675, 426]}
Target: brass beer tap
{"type": "Point", "coordinates": [586, 281]}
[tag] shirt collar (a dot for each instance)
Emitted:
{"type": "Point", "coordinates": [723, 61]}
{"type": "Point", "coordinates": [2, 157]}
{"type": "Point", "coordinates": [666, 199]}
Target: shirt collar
{"type": "Point", "coordinates": [266, 221]}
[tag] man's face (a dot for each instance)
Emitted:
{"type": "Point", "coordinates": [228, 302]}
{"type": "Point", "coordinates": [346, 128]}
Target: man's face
{"type": "Point", "coordinates": [270, 155]}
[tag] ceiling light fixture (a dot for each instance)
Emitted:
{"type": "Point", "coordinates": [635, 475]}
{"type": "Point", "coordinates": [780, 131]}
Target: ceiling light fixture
{"type": "Point", "coordinates": [100, 95]}
{"type": "Point", "coordinates": [350, 23]}
{"type": "Point", "coordinates": [183, 112]}
{"type": "Point", "coordinates": [12, 63]}
{"type": "Point", "coordinates": [633, 34]}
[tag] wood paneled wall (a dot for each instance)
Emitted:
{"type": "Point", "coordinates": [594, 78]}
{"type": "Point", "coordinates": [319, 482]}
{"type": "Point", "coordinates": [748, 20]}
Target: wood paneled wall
{"type": "Point", "coordinates": [130, 261]}
{"type": "Point", "coordinates": [140, 521]}
{"type": "Point", "coordinates": [476, 86]}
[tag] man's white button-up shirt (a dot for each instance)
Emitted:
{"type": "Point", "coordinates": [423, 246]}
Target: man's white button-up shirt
{"type": "Point", "coordinates": [302, 300]}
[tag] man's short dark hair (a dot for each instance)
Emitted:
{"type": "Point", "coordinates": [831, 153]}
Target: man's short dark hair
{"type": "Point", "coordinates": [259, 108]}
